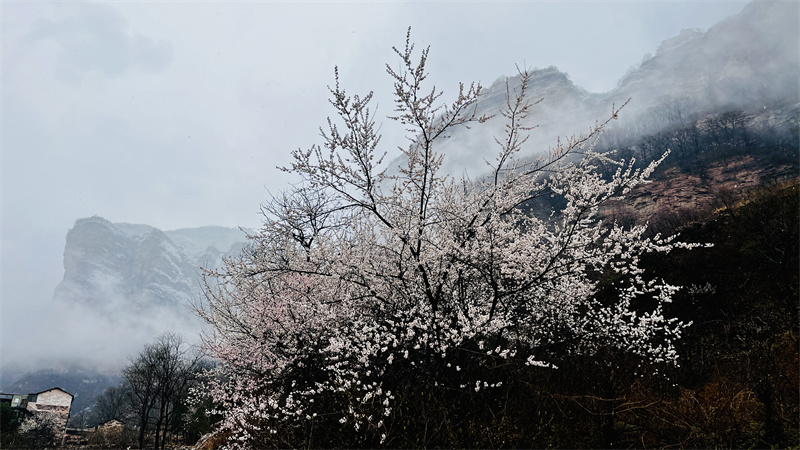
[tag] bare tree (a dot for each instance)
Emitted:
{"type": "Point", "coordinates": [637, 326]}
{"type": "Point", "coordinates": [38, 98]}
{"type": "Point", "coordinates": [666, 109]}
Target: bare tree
{"type": "Point", "coordinates": [141, 389]}
{"type": "Point", "coordinates": [175, 369]}
{"type": "Point", "coordinates": [112, 404]}
{"type": "Point", "coordinates": [156, 382]}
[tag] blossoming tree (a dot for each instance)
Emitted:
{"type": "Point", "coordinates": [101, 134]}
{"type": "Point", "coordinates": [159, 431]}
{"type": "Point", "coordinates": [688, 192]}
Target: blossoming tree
{"type": "Point", "coordinates": [367, 278]}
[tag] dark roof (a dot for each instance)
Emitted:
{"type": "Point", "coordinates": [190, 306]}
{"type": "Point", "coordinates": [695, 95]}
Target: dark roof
{"type": "Point", "coordinates": [52, 389]}
{"type": "Point", "coordinates": [9, 396]}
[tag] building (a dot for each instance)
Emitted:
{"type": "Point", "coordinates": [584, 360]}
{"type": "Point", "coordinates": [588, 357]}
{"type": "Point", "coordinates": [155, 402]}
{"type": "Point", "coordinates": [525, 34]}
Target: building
{"type": "Point", "coordinates": [109, 425]}
{"type": "Point", "coordinates": [55, 402]}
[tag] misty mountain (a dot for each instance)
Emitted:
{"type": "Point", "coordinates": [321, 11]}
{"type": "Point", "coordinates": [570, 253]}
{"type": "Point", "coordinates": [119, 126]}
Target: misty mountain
{"type": "Point", "coordinates": [746, 60]}
{"type": "Point", "coordinates": [749, 61]}
{"type": "Point", "coordinates": [119, 266]}
{"type": "Point", "coordinates": [124, 283]}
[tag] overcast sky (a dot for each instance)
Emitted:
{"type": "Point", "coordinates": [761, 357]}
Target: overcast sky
{"type": "Point", "coordinates": [175, 114]}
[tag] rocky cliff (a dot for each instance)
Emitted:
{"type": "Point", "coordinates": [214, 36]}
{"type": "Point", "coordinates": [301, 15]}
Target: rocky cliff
{"type": "Point", "coordinates": [139, 267]}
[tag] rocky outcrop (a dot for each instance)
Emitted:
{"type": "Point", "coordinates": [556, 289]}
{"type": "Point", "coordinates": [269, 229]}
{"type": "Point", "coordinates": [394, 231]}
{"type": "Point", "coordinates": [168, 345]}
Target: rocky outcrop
{"type": "Point", "coordinates": [678, 195]}
{"type": "Point", "coordinates": [139, 267]}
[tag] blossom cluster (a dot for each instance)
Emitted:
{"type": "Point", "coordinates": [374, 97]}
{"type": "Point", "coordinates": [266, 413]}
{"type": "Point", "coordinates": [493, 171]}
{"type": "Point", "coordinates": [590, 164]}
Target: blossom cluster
{"type": "Point", "coordinates": [361, 276]}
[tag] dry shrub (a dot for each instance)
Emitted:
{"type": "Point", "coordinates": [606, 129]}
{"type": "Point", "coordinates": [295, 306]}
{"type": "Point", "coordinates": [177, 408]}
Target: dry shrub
{"type": "Point", "coordinates": [721, 413]}
{"type": "Point", "coordinates": [786, 358]}
{"type": "Point", "coordinates": [114, 437]}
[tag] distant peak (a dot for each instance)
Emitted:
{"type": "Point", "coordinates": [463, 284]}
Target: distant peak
{"type": "Point", "coordinates": [92, 219]}
{"type": "Point", "coordinates": [686, 35]}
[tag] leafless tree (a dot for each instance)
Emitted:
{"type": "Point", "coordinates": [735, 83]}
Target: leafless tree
{"type": "Point", "coordinates": [112, 404]}
{"type": "Point", "coordinates": [175, 370]}
{"type": "Point", "coordinates": [156, 381]}
{"type": "Point", "coordinates": [140, 388]}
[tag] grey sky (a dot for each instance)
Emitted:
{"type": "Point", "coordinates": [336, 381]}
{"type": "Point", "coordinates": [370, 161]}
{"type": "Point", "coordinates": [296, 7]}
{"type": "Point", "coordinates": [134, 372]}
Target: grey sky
{"type": "Point", "coordinates": [175, 114]}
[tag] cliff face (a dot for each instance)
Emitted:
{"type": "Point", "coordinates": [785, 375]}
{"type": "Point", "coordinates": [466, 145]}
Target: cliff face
{"type": "Point", "coordinates": [138, 267]}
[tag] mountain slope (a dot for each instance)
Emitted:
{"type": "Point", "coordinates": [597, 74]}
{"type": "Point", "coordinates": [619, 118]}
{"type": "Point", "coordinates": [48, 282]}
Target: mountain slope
{"type": "Point", "coordinates": [748, 59]}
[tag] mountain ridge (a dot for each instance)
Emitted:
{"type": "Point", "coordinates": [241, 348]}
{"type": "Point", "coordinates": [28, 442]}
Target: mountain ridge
{"type": "Point", "coordinates": [747, 61]}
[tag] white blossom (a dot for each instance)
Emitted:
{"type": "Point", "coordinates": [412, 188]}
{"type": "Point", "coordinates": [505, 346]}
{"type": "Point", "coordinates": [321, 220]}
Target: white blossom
{"type": "Point", "coordinates": [363, 263]}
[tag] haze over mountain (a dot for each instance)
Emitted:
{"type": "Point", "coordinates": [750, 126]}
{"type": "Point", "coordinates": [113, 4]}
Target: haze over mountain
{"type": "Point", "coordinates": [747, 61]}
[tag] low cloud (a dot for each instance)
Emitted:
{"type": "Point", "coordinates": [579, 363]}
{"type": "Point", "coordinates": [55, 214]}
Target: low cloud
{"type": "Point", "coordinates": [64, 335]}
{"type": "Point", "coordinates": [89, 37]}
